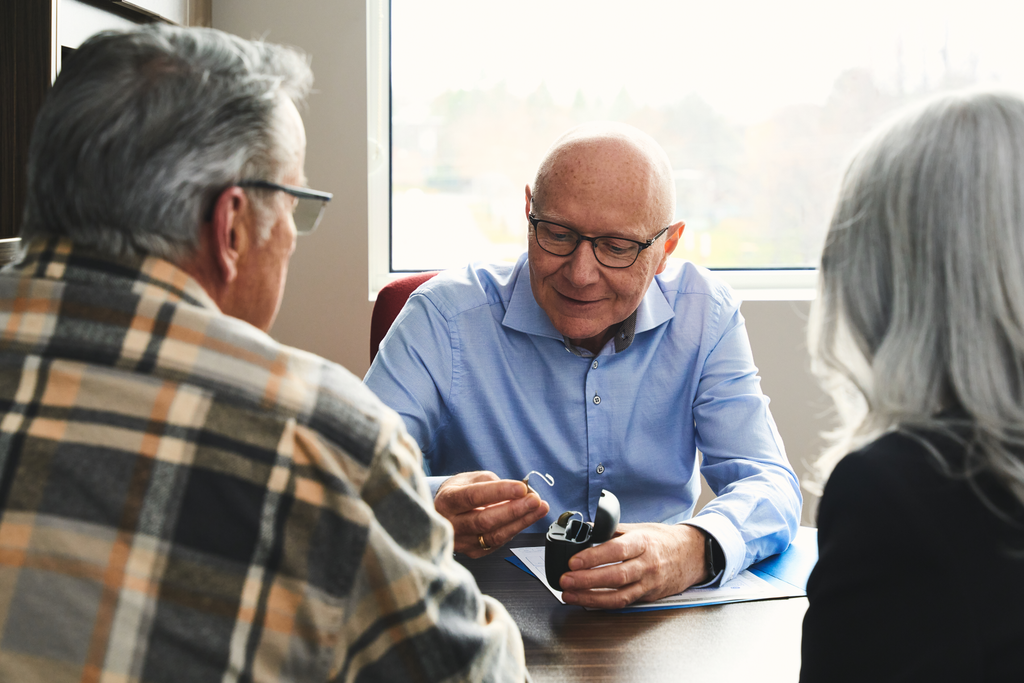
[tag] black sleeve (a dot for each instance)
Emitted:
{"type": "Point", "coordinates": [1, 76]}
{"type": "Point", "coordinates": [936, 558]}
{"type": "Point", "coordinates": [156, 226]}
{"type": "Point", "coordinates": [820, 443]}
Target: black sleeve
{"type": "Point", "coordinates": [884, 596]}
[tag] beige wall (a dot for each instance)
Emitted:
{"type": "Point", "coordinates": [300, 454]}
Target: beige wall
{"type": "Point", "coordinates": [325, 308]}
{"type": "Point", "coordinates": [801, 409]}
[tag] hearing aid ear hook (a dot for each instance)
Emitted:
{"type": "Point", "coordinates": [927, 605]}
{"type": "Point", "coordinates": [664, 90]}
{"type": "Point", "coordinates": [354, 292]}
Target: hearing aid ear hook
{"type": "Point", "coordinates": [563, 519]}
{"type": "Point", "coordinates": [548, 479]}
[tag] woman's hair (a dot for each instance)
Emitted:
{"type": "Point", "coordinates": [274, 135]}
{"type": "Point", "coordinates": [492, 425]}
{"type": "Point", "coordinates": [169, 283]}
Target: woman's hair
{"type": "Point", "coordinates": [143, 129]}
{"type": "Point", "coordinates": [919, 319]}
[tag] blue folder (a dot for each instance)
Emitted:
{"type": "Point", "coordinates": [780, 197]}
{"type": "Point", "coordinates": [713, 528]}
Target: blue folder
{"type": "Point", "coordinates": [793, 566]}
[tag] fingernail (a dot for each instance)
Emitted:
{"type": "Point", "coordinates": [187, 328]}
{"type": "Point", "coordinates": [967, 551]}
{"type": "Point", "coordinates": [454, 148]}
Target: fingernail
{"type": "Point", "coordinates": [569, 598]}
{"type": "Point", "coordinates": [567, 582]}
{"type": "Point", "coordinates": [575, 563]}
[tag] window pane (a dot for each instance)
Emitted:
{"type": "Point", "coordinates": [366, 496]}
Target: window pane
{"type": "Point", "coordinates": [757, 103]}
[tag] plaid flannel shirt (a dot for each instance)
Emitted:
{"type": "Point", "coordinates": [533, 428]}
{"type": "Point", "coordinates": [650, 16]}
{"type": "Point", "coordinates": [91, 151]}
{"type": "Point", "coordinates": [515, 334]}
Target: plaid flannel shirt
{"type": "Point", "coordinates": [184, 499]}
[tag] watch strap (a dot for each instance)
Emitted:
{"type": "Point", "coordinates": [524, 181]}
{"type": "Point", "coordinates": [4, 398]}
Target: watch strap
{"type": "Point", "coordinates": [714, 556]}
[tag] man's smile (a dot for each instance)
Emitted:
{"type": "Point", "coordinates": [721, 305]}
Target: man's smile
{"type": "Point", "coordinates": [578, 302]}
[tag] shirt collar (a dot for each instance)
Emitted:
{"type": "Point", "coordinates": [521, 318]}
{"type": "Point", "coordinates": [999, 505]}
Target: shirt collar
{"type": "Point", "coordinates": [620, 341]}
{"type": "Point", "coordinates": [149, 276]}
{"type": "Point", "coordinates": [524, 315]}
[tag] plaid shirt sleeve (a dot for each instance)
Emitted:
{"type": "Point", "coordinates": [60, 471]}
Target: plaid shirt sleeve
{"type": "Point", "coordinates": [418, 614]}
{"type": "Point", "coordinates": [183, 499]}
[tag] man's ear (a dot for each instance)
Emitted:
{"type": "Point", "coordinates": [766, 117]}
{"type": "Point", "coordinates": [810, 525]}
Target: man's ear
{"type": "Point", "coordinates": [675, 231]}
{"type": "Point", "coordinates": [228, 232]}
{"type": "Point", "coordinates": [529, 200]}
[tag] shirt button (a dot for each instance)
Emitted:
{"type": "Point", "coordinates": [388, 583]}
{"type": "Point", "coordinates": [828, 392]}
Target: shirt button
{"type": "Point", "coordinates": [597, 400]}
{"type": "Point", "coordinates": [594, 365]}
{"type": "Point", "coordinates": [600, 469]}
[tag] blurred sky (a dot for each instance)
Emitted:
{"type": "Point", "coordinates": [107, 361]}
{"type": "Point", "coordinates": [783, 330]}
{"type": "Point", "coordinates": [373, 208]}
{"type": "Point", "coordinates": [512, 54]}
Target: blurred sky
{"type": "Point", "coordinates": [747, 58]}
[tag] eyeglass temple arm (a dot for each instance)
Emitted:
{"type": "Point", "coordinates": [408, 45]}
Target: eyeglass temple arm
{"type": "Point", "coordinates": [300, 192]}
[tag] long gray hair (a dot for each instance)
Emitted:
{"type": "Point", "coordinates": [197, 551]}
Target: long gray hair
{"type": "Point", "coordinates": [143, 129]}
{"type": "Point", "coordinates": [920, 308]}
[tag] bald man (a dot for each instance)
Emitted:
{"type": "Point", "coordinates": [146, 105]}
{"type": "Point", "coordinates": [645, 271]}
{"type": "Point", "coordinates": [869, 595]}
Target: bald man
{"type": "Point", "coordinates": [597, 360]}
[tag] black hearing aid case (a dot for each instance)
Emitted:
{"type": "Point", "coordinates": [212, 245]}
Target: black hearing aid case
{"type": "Point", "coordinates": [569, 535]}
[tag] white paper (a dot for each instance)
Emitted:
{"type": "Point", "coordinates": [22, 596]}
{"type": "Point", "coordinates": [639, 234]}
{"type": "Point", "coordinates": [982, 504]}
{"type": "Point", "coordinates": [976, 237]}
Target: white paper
{"type": "Point", "coordinates": [746, 586]}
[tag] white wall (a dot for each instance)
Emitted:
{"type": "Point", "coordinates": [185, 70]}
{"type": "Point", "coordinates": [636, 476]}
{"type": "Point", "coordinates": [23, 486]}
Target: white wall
{"type": "Point", "coordinates": [325, 309]}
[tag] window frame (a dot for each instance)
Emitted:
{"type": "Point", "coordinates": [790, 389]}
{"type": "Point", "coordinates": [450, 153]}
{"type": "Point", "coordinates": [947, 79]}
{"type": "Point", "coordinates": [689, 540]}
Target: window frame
{"type": "Point", "coordinates": [762, 284]}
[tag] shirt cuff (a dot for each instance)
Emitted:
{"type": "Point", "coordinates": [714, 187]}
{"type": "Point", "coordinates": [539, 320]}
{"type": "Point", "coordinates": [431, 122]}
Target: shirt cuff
{"type": "Point", "coordinates": [728, 538]}
{"type": "Point", "coordinates": [713, 583]}
{"type": "Point", "coordinates": [435, 483]}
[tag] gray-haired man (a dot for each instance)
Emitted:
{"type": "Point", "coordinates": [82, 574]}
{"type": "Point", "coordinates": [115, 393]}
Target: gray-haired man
{"type": "Point", "coordinates": [181, 497]}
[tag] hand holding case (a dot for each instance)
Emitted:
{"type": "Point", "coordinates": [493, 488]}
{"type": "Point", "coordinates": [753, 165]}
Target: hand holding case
{"type": "Point", "coordinates": [568, 536]}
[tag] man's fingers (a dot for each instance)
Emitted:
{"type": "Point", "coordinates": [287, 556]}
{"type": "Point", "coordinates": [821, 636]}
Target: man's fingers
{"type": "Point", "coordinates": [486, 512]}
{"type": "Point", "coordinates": [485, 520]}
{"type": "Point", "coordinates": [453, 499]}
{"type": "Point", "coordinates": [650, 562]}
{"type": "Point", "coordinates": [615, 575]}
{"type": "Point", "coordinates": [489, 493]}
{"type": "Point", "coordinates": [499, 536]}
{"type": "Point", "coordinates": [468, 533]}
{"type": "Point", "coordinates": [474, 477]}
{"type": "Point", "coordinates": [470, 545]}
{"type": "Point", "coordinates": [618, 549]}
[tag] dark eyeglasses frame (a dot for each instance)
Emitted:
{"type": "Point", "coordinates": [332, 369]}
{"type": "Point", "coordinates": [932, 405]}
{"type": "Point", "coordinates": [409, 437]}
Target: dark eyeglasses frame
{"type": "Point", "coordinates": [297, 192]}
{"type": "Point", "coordinates": [593, 240]}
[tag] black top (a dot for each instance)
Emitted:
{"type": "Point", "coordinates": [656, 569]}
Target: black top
{"type": "Point", "coordinates": [917, 579]}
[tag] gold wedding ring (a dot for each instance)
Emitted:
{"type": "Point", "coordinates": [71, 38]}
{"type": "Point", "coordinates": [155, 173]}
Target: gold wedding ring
{"type": "Point", "coordinates": [483, 543]}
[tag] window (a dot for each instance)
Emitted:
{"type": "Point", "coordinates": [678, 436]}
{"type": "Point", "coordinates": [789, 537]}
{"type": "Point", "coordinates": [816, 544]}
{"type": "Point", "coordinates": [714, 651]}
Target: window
{"type": "Point", "coordinates": [758, 105]}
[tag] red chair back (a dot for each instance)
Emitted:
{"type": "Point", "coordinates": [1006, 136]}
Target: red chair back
{"type": "Point", "coordinates": [389, 302]}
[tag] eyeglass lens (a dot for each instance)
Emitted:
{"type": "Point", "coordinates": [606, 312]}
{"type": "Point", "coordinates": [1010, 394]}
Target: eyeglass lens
{"type": "Point", "coordinates": [609, 251]}
{"type": "Point", "coordinates": [307, 214]}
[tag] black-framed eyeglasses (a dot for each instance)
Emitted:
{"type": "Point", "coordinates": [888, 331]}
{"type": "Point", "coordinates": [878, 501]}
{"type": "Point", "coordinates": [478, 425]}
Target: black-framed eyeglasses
{"type": "Point", "coordinates": [309, 207]}
{"type": "Point", "coordinates": [611, 252]}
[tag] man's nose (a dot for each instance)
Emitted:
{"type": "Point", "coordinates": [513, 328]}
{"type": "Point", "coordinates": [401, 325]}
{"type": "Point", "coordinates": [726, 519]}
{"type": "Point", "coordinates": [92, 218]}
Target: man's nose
{"type": "Point", "coordinates": [583, 268]}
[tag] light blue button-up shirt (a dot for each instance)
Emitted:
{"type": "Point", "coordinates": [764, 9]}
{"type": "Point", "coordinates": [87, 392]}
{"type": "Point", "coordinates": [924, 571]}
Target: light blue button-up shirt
{"type": "Point", "coordinates": [484, 381]}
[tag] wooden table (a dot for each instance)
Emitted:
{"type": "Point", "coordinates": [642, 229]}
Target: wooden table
{"type": "Point", "coordinates": [753, 642]}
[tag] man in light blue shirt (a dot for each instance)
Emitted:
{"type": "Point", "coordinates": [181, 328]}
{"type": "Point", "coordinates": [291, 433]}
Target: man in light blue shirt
{"type": "Point", "coordinates": [595, 360]}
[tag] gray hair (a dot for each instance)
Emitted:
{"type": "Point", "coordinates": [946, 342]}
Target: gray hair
{"type": "Point", "coordinates": [144, 128]}
{"type": "Point", "coordinates": [920, 308]}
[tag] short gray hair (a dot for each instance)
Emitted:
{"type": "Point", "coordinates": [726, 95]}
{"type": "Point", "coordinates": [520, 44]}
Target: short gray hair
{"type": "Point", "coordinates": [920, 308]}
{"type": "Point", "coordinates": [144, 128]}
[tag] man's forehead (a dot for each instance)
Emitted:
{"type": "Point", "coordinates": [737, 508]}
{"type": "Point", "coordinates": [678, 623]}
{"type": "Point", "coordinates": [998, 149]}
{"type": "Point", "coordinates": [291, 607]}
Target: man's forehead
{"type": "Point", "coordinates": [294, 140]}
{"type": "Point", "coordinates": [598, 180]}
{"type": "Point", "coordinates": [599, 163]}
